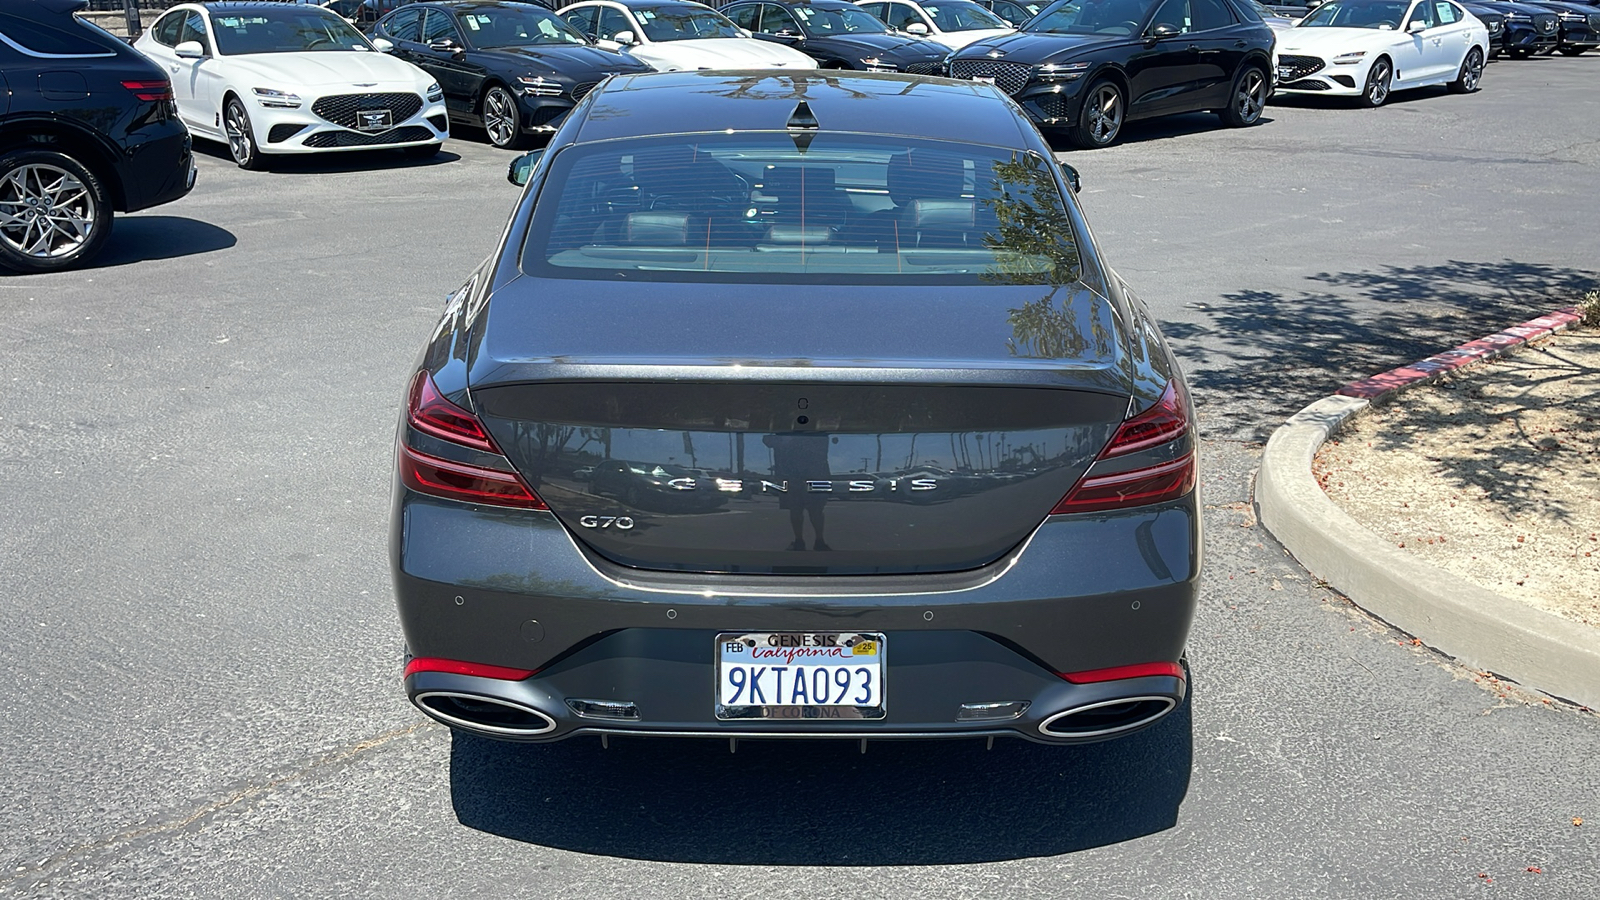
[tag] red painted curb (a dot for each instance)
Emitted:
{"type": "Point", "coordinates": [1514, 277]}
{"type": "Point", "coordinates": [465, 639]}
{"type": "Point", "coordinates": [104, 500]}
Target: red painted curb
{"type": "Point", "coordinates": [1474, 351]}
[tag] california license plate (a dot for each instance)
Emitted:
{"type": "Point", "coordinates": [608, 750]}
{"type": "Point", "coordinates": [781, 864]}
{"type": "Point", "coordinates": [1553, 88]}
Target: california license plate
{"type": "Point", "coordinates": [800, 675]}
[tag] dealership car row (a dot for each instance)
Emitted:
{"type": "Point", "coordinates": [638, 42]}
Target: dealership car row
{"type": "Point", "coordinates": [267, 78]}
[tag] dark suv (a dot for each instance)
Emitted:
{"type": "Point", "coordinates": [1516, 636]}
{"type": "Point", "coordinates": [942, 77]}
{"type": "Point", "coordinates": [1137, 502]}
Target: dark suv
{"type": "Point", "coordinates": [87, 126]}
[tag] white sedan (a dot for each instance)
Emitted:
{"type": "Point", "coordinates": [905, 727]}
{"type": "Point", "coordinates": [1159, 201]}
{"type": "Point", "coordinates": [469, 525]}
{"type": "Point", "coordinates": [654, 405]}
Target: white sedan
{"type": "Point", "coordinates": [673, 36]}
{"type": "Point", "coordinates": [276, 78]}
{"type": "Point", "coordinates": [953, 23]}
{"type": "Point", "coordinates": [1367, 48]}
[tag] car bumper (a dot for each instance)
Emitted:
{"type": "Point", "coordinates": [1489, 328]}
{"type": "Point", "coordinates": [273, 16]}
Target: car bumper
{"type": "Point", "coordinates": [1531, 41]}
{"type": "Point", "coordinates": [287, 131]}
{"type": "Point", "coordinates": [159, 170]}
{"type": "Point", "coordinates": [1052, 104]}
{"type": "Point", "coordinates": [512, 589]}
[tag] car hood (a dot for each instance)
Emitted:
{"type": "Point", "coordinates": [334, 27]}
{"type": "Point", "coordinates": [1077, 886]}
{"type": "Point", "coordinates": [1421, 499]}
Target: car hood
{"type": "Point", "coordinates": [720, 53]}
{"type": "Point", "coordinates": [1028, 47]}
{"type": "Point", "coordinates": [573, 61]}
{"type": "Point", "coordinates": [324, 68]}
{"type": "Point", "coordinates": [907, 49]}
{"type": "Point", "coordinates": [1332, 41]}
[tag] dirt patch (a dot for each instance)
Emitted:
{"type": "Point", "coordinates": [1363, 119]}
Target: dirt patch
{"type": "Point", "coordinates": [1493, 474]}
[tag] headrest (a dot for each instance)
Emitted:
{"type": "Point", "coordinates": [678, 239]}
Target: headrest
{"type": "Point", "coordinates": [797, 234]}
{"type": "Point", "coordinates": [913, 174]}
{"type": "Point", "coordinates": [922, 214]}
{"type": "Point", "coordinates": [657, 229]}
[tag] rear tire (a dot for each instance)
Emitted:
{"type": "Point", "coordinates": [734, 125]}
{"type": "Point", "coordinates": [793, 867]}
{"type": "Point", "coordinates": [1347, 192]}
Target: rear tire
{"type": "Point", "coordinates": [1100, 120]}
{"type": "Point", "coordinates": [59, 211]}
{"type": "Point", "coordinates": [1248, 98]}
{"type": "Point", "coordinates": [1380, 78]}
{"type": "Point", "coordinates": [1471, 73]}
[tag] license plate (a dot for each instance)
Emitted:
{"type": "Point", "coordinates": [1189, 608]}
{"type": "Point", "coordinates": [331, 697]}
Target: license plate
{"type": "Point", "coordinates": [800, 675]}
{"type": "Point", "coordinates": [983, 79]}
{"type": "Point", "coordinates": [374, 120]}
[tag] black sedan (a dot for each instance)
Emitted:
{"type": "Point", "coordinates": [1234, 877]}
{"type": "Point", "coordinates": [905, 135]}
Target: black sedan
{"type": "Point", "coordinates": [87, 127]}
{"type": "Point", "coordinates": [1530, 29]}
{"type": "Point", "coordinates": [696, 283]}
{"type": "Point", "coordinates": [1086, 67]}
{"type": "Point", "coordinates": [838, 35]}
{"type": "Point", "coordinates": [513, 69]}
{"type": "Point", "coordinates": [1579, 25]}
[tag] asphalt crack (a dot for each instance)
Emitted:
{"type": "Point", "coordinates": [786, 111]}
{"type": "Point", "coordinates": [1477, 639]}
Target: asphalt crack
{"type": "Point", "coordinates": [173, 823]}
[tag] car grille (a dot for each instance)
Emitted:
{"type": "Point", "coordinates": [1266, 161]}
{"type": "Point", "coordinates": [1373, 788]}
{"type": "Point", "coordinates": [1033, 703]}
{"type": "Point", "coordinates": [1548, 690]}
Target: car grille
{"type": "Point", "coordinates": [1294, 68]}
{"type": "Point", "coordinates": [934, 67]}
{"type": "Point", "coordinates": [357, 139]}
{"type": "Point", "coordinates": [1008, 76]}
{"type": "Point", "coordinates": [440, 122]}
{"type": "Point", "coordinates": [582, 90]}
{"type": "Point", "coordinates": [1594, 23]}
{"type": "Point", "coordinates": [1306, 86]}
{"type": "Point", "coordinates": [544, 115]}
{"type": "Point", "coordinates": [1054, 106]}
{"type": "Point", "coordinates": [1545, 24]}
{"type": "Point", "coordinates": [341, 109]}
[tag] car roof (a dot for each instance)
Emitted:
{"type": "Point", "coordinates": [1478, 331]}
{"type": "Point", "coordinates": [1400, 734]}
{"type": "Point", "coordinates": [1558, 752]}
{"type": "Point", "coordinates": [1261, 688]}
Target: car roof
{"type": "Point", "coordinates": [253, 5]}
{"type": "Point", "coordinates": [821, 4]}
{"type": "Point", "coordinates": [641, 4]}
{"type": "Point", "coordinates": [658, 103]}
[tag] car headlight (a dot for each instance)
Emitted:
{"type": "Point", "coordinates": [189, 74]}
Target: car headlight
{"type": "Point", "coordinates": [539, 86]}
{"type": "Point", "coordinates": [435, 93]}
{"type": "Point", "coordinates": [275, 99]}
{"type": "Point", "coordinates": [1063, 71]}
{"type": "Point", "coordinates": [1349, 59]}
{"type": "Point", "coordinates": [874, 64]}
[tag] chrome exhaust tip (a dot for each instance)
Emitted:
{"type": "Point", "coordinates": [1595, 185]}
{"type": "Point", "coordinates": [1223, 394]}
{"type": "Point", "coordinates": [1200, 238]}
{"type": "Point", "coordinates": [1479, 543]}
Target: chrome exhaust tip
{"type": "Point", "coordinates": [1107, 717]}
{"type": "Point", "coordinates": [480, 713]}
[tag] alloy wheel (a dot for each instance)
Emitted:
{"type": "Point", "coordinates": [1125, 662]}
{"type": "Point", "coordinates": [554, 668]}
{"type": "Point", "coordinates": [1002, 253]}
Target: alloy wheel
{"type": "Point", "coordinates": [1471, 72]}
{"type": "Point", "coordinates": [1378, 83]}
{"type": "Point", "coordinates": [500, 117]}
{"type": "Point", "coordinates": [1252, 97]}
{"type": "Point", "coordinates": [45, 212]}
{"type": "Point", "coordinates": [1104, 111]}
{"type": "Point", "coordinates": [237, 126]}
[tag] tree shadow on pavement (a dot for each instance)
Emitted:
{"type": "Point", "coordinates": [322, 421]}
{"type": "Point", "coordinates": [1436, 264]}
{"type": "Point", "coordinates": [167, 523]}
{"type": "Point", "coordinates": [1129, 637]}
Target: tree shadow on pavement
{"type": "Point", "coordinates": [801, 802]}
{"type": "Point", "coordinates": [1262, 355]}
{"type": "Point", "coordinates": [141, 238]}
{"type": "Point", "coordinates": [1477, 430]}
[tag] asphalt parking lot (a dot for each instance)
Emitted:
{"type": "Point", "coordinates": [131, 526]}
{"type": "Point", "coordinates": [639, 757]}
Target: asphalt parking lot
{"type": "Point", "coordinates": [195, 444]}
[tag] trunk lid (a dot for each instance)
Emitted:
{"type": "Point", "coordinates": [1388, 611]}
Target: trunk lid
{"type": "Point", "coordinates": [925, 431]}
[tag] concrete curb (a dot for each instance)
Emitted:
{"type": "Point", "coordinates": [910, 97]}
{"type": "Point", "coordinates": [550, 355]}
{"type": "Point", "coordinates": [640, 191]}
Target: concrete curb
{"type": "Point", "coordinates": [1481, 628]}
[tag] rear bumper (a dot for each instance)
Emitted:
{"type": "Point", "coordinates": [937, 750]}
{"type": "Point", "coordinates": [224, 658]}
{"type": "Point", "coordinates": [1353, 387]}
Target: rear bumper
{"type": "Point", "coordinates": [511, 588]}
{"type": "Point", "coordinates": [158, 171]}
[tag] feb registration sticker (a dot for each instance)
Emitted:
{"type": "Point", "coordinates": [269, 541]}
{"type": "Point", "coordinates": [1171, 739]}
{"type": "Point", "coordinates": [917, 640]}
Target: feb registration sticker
{"type": "Point", "coordinates": [800, 675]}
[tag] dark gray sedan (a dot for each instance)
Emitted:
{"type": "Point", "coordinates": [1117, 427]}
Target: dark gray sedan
{"type": "Point", "coordinates": [873, 442]}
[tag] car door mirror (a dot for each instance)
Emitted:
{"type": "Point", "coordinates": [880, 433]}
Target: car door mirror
{"type": "Point", "coordinates": [1073, 181]}
{"type": "Point", "coordinates": [522, 167]}
{"type": "Point", "coordinates": [917, 28]}
{"type": "Point", "coordinates": [625, 38]}
{"type": "Point", "coordinates": [442, 45]}
{"type": "Point", "coordinates": [382, 45]}
{"type": "Point", "coordinates": [1416, 26]}
{"type": "Point", "coordinates": [1157, 32]}
{"type": "Point", "coordinates": [190, 50]}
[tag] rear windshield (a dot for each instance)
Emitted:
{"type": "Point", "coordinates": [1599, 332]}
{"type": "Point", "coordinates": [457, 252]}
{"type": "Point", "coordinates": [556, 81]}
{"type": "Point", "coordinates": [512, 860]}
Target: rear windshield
{"type": "Point", "coordinates": [766, 208]}
{"type": "Point", "coordinates": [63, 36]}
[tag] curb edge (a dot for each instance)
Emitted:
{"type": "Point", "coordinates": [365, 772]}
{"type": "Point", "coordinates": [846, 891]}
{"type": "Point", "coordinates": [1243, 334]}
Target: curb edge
{"type": "Point", "coordinates": [1482, 628]}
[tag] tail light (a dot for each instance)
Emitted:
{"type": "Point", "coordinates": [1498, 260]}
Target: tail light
{"type": "Point", "coordinates": [431, 414]}
{"type": "Point", "coordinates": [150, 90]}
{"type": "Point", "coordinates": [1166, 421]}
{"type": "Point", "coordinates": [1117, 673]}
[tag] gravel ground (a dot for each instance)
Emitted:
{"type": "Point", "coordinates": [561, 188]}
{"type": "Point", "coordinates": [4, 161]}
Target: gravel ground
{"type": "Point", "coordinates": [1493, 474]}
